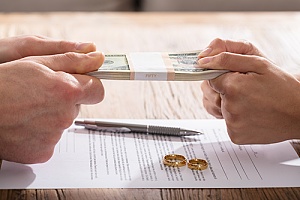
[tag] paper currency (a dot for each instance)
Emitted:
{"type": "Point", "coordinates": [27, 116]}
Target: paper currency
{"type": "Point", "coordinates": [154, 66]}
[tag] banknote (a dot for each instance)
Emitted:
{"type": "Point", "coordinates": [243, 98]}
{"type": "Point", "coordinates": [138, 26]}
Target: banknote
{"type": "Point", "coordinates": [155, 66]}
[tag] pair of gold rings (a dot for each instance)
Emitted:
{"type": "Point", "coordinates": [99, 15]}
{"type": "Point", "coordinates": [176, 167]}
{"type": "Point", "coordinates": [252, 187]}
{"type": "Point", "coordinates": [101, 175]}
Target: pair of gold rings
{"type": "Point", "coordinates": [177, 160]}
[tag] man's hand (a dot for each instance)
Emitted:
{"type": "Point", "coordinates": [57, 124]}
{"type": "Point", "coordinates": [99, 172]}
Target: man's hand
{"type": "Point", "coordinates": [40, 96]}
{"type": "Point", "coordinates": [14, 48]}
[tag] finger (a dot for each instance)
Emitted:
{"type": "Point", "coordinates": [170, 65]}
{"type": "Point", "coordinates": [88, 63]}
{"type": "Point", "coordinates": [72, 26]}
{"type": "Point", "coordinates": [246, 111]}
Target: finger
{"type": "Point", "coordinates": [211, 100]}
{"type": "Point", "coordinates": [239, 47]}
{"type": "Point", "coordinates": [212, 109]}
{"type": "Point", "coordinates": [37, 45]}
{"type": "Point", "coordinates": [91, 89]}
{"type": "Point", "coordinates": [14, 48]}
{"type": "Point", "coordinates": [235, 63]}
{"type": "Point", "coordinates": [209, 91]}
{"type": "Point", "coordinates": [228, 84]}
{"type": "Point", "coordinates": [74, 63]}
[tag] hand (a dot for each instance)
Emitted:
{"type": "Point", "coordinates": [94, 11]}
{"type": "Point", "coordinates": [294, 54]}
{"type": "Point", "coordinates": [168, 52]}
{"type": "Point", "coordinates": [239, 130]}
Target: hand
{"type": "Point", "coordinates": [211, 98]}
{"type": "Point", "coordinates": [40, 96]}
{"type": "Point", "coordinates": [259, 102]}
{"type": "Point", "coordinates": [13, 48]}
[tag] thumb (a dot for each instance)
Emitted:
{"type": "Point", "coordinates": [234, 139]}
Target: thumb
{"type": "Point", "coordinates": [218, 46]}
{"type": "Point", "coordinates": [235, 62]}
{"type": "Point", "coordinates": [18, 47]}
{"type": "Point", "coordinates": [74, 63]}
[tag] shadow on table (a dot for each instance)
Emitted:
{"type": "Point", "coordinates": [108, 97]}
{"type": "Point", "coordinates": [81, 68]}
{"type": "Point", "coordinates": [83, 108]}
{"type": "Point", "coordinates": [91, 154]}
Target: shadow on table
{"type": "Point", "coordinates": [15, 176]}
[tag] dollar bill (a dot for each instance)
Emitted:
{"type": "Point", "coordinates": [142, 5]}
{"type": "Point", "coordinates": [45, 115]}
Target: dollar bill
{"type": "Point", "coordinates": [154, 66]}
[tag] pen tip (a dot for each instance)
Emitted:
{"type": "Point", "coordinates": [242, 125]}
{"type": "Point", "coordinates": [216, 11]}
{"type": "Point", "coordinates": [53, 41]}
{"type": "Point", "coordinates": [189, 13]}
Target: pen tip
{"type": "Point", "coordinates": [191, 132]}
{"type": "Point", "coordinates": [78, 122]}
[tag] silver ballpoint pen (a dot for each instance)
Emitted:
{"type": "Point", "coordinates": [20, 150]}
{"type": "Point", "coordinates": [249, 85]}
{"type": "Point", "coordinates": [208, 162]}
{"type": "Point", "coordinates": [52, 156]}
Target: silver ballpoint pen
{"type": "Point", "coordinates": [135, 128]}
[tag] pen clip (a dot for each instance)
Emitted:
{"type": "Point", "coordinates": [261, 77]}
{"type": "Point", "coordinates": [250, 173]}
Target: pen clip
{"type": "Point", "coordinates": [107, 128]}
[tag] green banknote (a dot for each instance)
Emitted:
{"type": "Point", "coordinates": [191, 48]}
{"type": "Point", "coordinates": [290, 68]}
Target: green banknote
{"type": "Point", "coordinates": [154, 66]}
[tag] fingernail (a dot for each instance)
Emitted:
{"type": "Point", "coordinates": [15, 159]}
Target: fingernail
{"type": "Point", "coordinates": [205, 52]}
{"type": "Point", "coordinates": [203, 61]}
{"type": "Point", "coordinates": [95, 54]}
{"type": "Point", "coordinates": [81, 46]}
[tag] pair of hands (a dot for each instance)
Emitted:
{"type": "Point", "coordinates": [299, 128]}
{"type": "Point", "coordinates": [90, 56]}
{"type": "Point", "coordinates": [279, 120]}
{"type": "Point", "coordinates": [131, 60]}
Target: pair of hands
{"type": "Point", "coordinates": [259, 102]}
{"type": "Point", "coordinates": [41, 88]}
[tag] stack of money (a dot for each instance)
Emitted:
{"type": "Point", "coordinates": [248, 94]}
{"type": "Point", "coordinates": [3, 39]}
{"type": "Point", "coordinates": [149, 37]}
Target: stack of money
{"type": "Point", "coordinates": [154, 66]}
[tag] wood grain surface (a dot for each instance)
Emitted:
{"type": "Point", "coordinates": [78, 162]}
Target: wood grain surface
{"type": "Point", "coordinates": [276, 34]}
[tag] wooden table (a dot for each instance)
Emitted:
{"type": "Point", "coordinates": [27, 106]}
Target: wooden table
{"type": "Point", "coordinates": [277, 34]}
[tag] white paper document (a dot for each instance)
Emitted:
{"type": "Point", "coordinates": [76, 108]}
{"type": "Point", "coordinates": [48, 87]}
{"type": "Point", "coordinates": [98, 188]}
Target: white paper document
{"type": "Point", "coordinates": [92, 159]}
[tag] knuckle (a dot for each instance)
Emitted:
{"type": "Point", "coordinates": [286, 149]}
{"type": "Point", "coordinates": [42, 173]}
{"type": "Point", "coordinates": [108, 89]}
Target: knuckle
{"type": "Point", "coordinates": [28, 40]}
{"type": "Point", "coordinates": [264, 63]}
{"type": "Point", "coordinates": [248, 44]}
{"type": "Point", "coordinates": [65, 45]}
{"type": "Point", "coordinates": [66, 93]}
{"type": "Point", "coordinates": [27, 43]}
{"type": "Point", "coordinates": [72, 56]}
{"type": "Point", "coordinates": [67, 87]}
{"type": "Point", "coordinates": [235, 86]}
{"type": "Point", "coordinates": [231, 87]}
{"type": "Point", "coordinates": [223, 58]}
{"type": "Point", "coordinates": [30, 37]}
{"type": "Point", "coordinates": [250, 48]}
{"type": "Point", "coordinates": [77, 60]}
{"type": "Point", "coordinates": [217, 42]}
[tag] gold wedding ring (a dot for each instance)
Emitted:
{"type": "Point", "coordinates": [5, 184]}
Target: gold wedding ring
{"type": "Point", "coordinates": [174, 160]}
{"type": "Point", "coordinates": [197, 164]}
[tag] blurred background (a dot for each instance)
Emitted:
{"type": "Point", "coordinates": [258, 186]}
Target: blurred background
{"type": "Point", "coordinates": [148, 5]}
